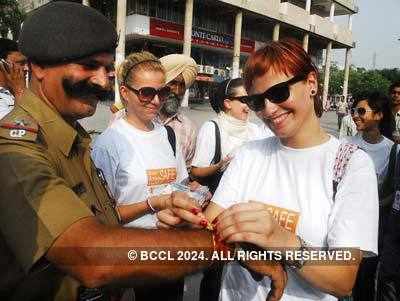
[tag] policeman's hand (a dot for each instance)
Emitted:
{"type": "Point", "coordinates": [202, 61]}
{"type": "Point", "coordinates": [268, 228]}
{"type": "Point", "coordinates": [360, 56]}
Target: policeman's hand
{"type": "Point", "coordinates": [180, 210]}
{"type": "Point", "coordinates": [14, 78]}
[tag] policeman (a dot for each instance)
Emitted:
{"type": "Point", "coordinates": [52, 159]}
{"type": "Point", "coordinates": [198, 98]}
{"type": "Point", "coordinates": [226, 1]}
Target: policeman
{"type": "Point", "coordinates": [60, 237]}
{"type": "Point", "coordinates": [54, 208]}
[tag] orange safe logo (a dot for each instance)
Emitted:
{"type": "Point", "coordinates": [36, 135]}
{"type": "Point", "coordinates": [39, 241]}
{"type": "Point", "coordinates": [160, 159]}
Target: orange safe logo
{"type": "Point", "coordinates": [160, 176]}
{"type": "Point", "coordinates": [287, 219]}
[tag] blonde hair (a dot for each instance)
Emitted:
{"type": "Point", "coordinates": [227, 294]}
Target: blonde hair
{"type": "Point", "coordinates": [135, 62]}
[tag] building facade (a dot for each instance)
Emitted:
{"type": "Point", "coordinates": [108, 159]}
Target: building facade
{"type": "Point", "coordinates": [220, 34]}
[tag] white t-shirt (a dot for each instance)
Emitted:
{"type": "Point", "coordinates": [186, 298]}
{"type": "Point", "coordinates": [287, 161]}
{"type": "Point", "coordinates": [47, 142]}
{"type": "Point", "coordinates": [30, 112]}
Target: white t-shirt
{"type": "Point", "coordinates": [137, 164]}
{"type": "Point", "coordinates": [297, 184]}
{"type": "Point", "coordinates": [205, 143]}
{"type": "Point", "coordinates": [379, 153]}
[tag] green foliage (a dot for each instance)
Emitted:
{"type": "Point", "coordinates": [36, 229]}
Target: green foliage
{"type": "Point", "coordinates": [362, 80]}
{"type": "Point", "coordinates": [392, 75]}
{"type": "Point", "coordinates": [11, 18]}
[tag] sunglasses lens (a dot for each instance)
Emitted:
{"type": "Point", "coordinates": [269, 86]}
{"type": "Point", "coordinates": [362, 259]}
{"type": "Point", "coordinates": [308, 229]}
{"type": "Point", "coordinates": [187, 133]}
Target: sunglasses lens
{"type": "Point", "coordinates": [243, 99]}
{"type": "Point", "coordinates": [256, 102]}
{"type": "Point", "coordinates": [163, 93]}
{"type": "Point", "coordinates": [147, 93]}
{"type": "Point", "coordinates": [359, 111]}
{"type": "Point", "coordinates": [278, 94]}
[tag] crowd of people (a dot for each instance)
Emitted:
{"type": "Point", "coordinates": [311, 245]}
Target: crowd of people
{"type": "Point", "coordinates": [71, 208]}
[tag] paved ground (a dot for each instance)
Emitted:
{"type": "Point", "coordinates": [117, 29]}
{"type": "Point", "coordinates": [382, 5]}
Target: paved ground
{"type": "Point", "coordinates": [199, 113]}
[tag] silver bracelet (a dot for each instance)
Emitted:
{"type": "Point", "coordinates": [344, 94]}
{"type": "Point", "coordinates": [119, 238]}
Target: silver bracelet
{"type": "Point", "coordinates": [150, 206]}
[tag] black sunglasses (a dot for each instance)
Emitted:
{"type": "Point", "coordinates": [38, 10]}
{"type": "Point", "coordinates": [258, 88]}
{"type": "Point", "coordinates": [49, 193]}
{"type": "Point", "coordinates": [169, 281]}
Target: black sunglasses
{"type": "Point", "coordinates": [147, 94]}
{"type": "Point", "coordinates": [276, 94]}
{"type": "Point", "coordinates": [242, 99]}
{"type": "Point", "coordinates": [359, 111]}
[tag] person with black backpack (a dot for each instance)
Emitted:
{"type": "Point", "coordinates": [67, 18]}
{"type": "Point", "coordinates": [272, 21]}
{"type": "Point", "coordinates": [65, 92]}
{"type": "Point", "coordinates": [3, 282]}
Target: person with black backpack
{"type": "Point", "coordinates": [217, 141]}
{"type": "Point", "coordinates": [137, 155]}
{"type": "Point", "coordinates": [219, 138]}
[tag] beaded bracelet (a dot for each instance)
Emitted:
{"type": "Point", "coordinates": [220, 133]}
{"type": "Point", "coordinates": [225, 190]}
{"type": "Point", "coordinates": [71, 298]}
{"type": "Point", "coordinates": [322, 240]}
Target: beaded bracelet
{"type": "Point", "coordinates": [150, 206]}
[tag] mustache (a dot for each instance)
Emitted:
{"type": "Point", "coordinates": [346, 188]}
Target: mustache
{"type": "Point", "coordinates": [85, 90]}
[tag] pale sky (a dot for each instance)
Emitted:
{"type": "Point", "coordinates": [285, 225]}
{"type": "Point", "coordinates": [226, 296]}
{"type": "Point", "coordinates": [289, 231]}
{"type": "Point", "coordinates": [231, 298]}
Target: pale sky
{"type": "Point", "coordinates": [376, 28]}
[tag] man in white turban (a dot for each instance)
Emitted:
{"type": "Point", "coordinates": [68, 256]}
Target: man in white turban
{"type": "Point", "coordinates": [181, 72]}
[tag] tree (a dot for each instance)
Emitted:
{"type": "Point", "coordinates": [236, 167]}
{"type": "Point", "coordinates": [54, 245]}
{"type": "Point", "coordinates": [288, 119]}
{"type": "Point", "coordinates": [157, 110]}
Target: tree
{"type": "Point", "coordinates": [391, 75]}
{"type": "Point", "coordinates": [11, 17]}
{"type": "Point", "coordinates": [361, 81]}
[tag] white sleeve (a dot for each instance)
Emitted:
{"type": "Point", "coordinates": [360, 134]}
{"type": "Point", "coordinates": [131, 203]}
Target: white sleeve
{"type": "Point", "coordinates": [5, 107]}
{"type": "Point", "coordinates": [229, 188]}
{"type": "Point", "coordinates": [205, 145]}
{"type": "Point", "coordinates": [353, 222]}
{"type": "Point", "coordinates": [108, 163]}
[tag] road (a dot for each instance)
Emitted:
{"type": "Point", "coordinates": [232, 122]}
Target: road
{"type": "Point", "coordinates": [199, 113]}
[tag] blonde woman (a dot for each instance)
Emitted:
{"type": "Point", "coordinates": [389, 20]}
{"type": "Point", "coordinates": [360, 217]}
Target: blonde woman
{"type": "Point", "coordinates": [135, 154]}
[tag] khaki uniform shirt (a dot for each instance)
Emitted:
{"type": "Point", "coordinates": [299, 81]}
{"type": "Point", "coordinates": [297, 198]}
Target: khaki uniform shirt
{"type": "Point", "coordinates": [48, 182]}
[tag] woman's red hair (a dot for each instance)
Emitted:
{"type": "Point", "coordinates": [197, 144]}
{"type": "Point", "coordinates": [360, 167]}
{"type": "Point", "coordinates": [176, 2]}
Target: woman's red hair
{"type": "Point", "coordinates": [286, 56]}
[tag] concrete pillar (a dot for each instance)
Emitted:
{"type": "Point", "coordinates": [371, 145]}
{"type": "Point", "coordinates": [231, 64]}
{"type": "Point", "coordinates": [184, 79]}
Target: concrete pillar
{"type": "Point", "coordinates": [306, 37]}
{"type": "Point", "coordinates": [236, 44]}
{"type": "Point", "coordinates": [350, 22]}
{"type": "Point", "coordinates": [346, 72]}
{"type": "Point", "coordinates": [120, 51]}
{"type": "Point", "coordinates": [187, 40]}
{"type": "Point", "coordinates": [327, 73]}
{"type": "Point", "coordinates": [275, 35]}
{"type": "Point", "coordinates": [86, 2]}
{"type": "Point", "coordinates": [308, 6]}
{"type": "Point", "coordinates": [332, 11]}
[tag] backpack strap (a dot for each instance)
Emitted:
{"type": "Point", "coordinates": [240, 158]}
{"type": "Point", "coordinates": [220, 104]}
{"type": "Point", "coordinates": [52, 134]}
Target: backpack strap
{"type": "Point", "coordinates": [171, 138]}
{"type": "Point", "coordinates": [217, 154]}
{"type": "Point", "coordinates": [342, 159]}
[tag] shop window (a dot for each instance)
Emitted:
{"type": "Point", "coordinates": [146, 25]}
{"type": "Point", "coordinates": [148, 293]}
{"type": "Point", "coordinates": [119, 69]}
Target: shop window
{"type": "Point", "coordinates": [143, 7]}
{"type": "Point", "coordinates": [162, 10]}
{"type": "Point", "coordinates": [140, 7]}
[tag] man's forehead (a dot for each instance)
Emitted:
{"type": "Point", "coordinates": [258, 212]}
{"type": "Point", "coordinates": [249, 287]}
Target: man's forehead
{"type": "Point", "coordinates": [396, 89]}
{"type": "Point", "coordinates": [103, 58]}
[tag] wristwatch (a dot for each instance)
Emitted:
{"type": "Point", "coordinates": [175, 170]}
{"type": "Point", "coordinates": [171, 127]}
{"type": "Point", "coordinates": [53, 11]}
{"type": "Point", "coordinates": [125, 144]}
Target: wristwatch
{"type": "Point", "coordinates": [298, 264]}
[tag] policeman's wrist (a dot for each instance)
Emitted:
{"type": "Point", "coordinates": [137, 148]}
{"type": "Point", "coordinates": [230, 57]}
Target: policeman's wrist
{"type": "Point", "coordinates": [151, 205]}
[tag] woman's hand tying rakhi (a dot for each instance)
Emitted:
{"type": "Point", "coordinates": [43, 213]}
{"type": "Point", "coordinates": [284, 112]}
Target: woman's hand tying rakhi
{"type": "Point", "coordinates": [252, 223]}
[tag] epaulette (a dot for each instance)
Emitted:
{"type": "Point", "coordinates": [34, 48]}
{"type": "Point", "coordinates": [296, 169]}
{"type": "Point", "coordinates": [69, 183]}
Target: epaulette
{"type": "Point", "coordinates": [16, 126]}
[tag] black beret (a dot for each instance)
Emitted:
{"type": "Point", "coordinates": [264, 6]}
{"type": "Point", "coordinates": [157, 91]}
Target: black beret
{"type": "Point", "coordinates": [7, 46]}
{"type": "Point", "coordinates": [62, 31]}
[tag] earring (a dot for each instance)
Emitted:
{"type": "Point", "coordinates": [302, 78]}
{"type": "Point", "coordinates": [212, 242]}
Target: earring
{"type": "Point", "coordinates": [313, 92]}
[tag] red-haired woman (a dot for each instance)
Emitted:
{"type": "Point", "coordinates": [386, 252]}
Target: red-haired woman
{"type": "Point", "coordinates": [290, 191]}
